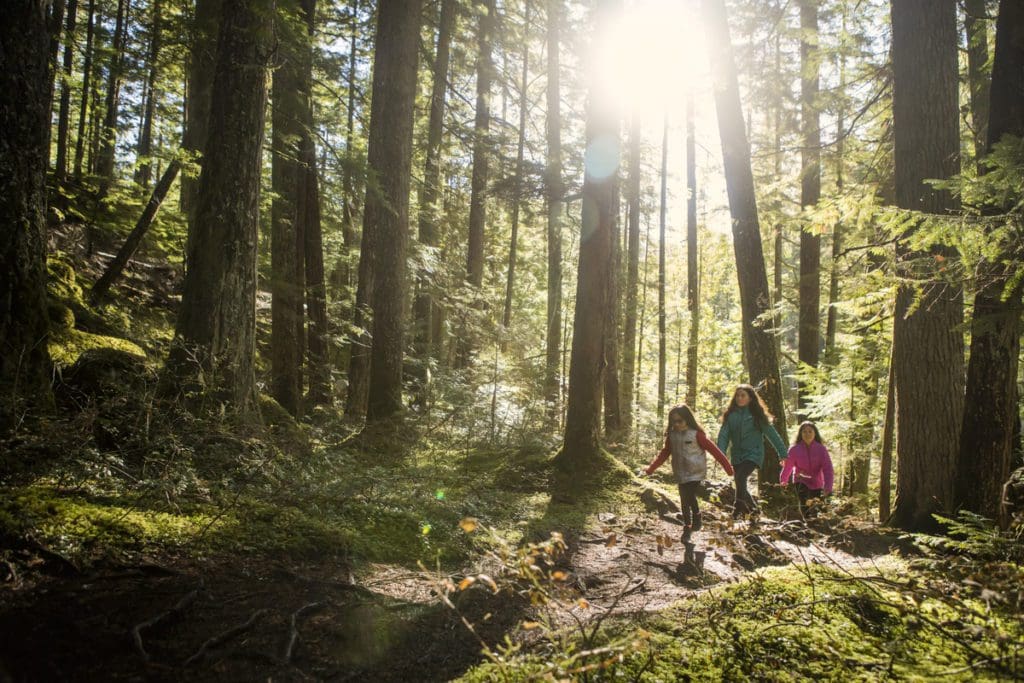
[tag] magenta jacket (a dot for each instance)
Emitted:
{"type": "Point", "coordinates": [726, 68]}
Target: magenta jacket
{"type": "Point", "coordinates": [808, 465]}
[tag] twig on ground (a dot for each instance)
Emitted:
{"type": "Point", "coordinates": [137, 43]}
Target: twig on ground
{"type": "Point", "coordinates": [225, 636]}
{"type": "Point", "coordinates": [178, 607]}
{"type": "Point", "coordinates": [294, 635]}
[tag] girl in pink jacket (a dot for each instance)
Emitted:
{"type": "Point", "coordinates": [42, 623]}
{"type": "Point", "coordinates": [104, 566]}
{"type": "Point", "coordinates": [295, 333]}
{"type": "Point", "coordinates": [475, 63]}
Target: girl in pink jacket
{"type": "Point", "coordinates": [809, 466]}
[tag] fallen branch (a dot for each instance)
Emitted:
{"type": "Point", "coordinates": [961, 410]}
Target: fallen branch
{"type": "Point", "coordinates": [178, 607]}
{"type": "Point", "coordinates": [225, 636]}
{"type": "Point", "coordinates": [294, 636]}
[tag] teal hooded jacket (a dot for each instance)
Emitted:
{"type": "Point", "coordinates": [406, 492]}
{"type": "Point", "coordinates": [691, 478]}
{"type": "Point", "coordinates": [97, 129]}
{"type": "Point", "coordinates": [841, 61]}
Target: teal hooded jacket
{"type": "Point", "coordinates": [747, 441]}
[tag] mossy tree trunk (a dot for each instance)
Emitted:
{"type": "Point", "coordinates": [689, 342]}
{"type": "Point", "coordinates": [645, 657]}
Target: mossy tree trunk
{"type": "Point", "coordinates": [991, 408]}
{"type": "Point", "coordinates": [928, 344]}
{"type": "Point", "coordinates": [554, 189]}
{"type": "Point", "coordinates": [386, 216]}
{"type": "Point", "coordinates": [287, 331]}
{"type": "Point", "coordinates": [629, 359]}
{"type": "Point", "coordinates": [215, 333]}
{"type": "Point", "coordinates": [425, 309]}
{"type": "Point", "coordinates": [581, 448]}
{"type": "Point", "coordinates": [810, 190]}
{"type": "Point", "coordinates": [760, 347]}
{"type": "Point", "coordinates": [202, 57]}
{"type": "Point", "coordinates": [24, 120]}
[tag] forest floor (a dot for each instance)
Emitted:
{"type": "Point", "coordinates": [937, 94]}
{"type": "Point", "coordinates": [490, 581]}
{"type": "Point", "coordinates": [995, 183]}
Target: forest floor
{"type": "Point", "coordinates": [247, 618]}
{"type": "Point", "coordinates": [141, 541]}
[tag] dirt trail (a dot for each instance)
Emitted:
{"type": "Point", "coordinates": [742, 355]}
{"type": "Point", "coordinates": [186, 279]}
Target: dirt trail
{"type": "Point", "coordinates": [252, 619]}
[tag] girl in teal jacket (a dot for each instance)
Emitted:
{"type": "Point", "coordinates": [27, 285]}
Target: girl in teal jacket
{"type": "Point", "coordinates": [746, 423]}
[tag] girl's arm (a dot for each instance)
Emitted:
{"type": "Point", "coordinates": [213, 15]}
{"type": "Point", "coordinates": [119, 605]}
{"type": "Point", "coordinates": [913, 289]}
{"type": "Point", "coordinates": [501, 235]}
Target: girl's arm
{"type": "Point", "coordinates": [723, 435]}
{"type": "Point", "coordinates": [789, 464]}
{"type": "Point", "coordinates": [704, 442]}
{"type": "Point", "coordinates": [826, 469]}
{"type": "Point", "coordinates": [661, 457]}
{"type": "Point", "coordinates": [776, 441]}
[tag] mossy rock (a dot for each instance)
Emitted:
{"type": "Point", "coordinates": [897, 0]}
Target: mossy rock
{"type": "Point", "coordinates": [62, 282]}
{"type": "Point", "coordinates": [105, 371]}
{"type": "Point", "coordinates": [61, 316]}
{"type": "Point", "coordinates": [68, 345]}
{"type": "Point", "coordinates": [285, 427]}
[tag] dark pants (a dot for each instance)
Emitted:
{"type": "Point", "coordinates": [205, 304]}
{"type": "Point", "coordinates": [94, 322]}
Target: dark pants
{"type": "Point", "coordinates": [744, 501]}
{"type": "Point", "coordinates": [690, 505]}
{"type": "Point", "coordinates": [805, 494]}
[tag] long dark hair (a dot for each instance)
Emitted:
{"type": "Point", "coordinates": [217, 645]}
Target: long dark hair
{"type": "Point", "coordinates": [808, 423]}
{"type": "Point", "coordinates": [757, 406]}
{"type": "Point", "coordinates": [683, 411]}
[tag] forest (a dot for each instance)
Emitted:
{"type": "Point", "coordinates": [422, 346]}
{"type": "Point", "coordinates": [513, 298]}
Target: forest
{"type": "Point", "coordinates": [511, 340]}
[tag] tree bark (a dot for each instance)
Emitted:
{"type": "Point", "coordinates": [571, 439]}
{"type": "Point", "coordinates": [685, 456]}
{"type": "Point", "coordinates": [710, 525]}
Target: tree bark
{"type": "Point", "coordinates": [692, 252]}
{"type": "Point", "coordinates": [888, 437]}
{"type": "Point", "coordinates": [662, 225]}
{"type": "Point", "coordinates": [144, 172]}
{"type": "Point", "coordinates": [978, 73]}
{"type": "Point", "coordinates": [481, 145]}
{"type": "Point", "coordinates": [581, 448]}
{"type": "Point", "coordinates": [810, 190]}
{"type": "Point", "coordinates": [554, 190]}
{"type": "Point", "coordinates": [386, 216]}
{"type": "Point", "coordinates": [629, 353]}
{"type": "Point", "coordinates": [506, 318]}
{"type": "Point", "coordinates": [760, 344]}
{"type": "Point", "coordinates": [202, 57]}
{"type": "Point", "coordinates": [424, 308]}
{"type": "Point", "coordinates": [928, 343]}
{"type": "Point", "coordinates": [134, 239]}
{"type": "Point", "coordinates": [287, 266]}
{"type": "Point", "coordinates": [64, 113]}
{"type": "Point", "coordinates": [990, 415]}
{"type": "Point", "coordinates": [83, 109]}
{"type": "Point", "coordinates": [108, 133]}
{"type": "Point", "coordinates": [215, 333]}
{"type": "Point", "coordinates": [613, 314]}
{"type": "Point", "coordinates": [24, 119]}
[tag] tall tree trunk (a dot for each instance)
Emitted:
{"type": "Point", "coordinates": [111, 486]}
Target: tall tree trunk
{"type": "Point", "coordinates": [83, 109]}
{"type": "Point", "coordinates": [506, 318]}
{"type": "Point", "coordinates": [307, 211]}
{"type": "Point", "coordinates": [287, 267]}
{"type": "Point", "coordinates": [144, 171]}
{"type": "Point", "coordinates": [24, 119]}
{"type": "Point", "coordinates": [215, 333]}
{"type": "Point", "coordinates": [348, 237]}
{"type": "Point", "coordinates": [108, 134]}
{"type": "Point", "coordinates": [629, 354]}
{"type": "Point", "coordinates": [810, 189]}
{"type": "Point", "coordinates": [978, 74]}
{"type": "Point", "coordinates": [64, 114]}
{"type": "Point", "coordinates": [928, 342]}
{"type": "Point", "coordinates": [481, 160]}
{"type": "Point", "coordinates": [134, 239]}
{"type": "Point", "coordinates": [55, 20]}
{"type": "Point", "coordinates": [386, 227]}
{"type": "Point", "coordinates": [613, 314]}
{"type": "Point", "coordinates": [778, 242]}
{"type": "Point", "coordinates": [553, 188]}
{"type": "Point", "coordinates": [760, 345]}
{"type": "Point", "coordinates": [581, 448]}
{"type": "Point", "coordinates": [831, 323]}
{"type": "Point", "coordinates": [888, 437]}
{"type": "Point", "coordinates": [430, 193]}
{"type": "Point", "coordinates": [481, 145]}
{"type": "Point", "coordinates": [202, 57]}
{"type": "Point", "coordinates": [692, 252]}
{"type": "Point", "coordinates": [990, 415]}
{"type": "Point", "coordinates": [662, 224]}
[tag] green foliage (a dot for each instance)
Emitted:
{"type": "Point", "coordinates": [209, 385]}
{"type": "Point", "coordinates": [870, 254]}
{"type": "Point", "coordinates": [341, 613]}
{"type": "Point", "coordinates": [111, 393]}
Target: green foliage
{"type": "Point", "coordinates": [810, 623]}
